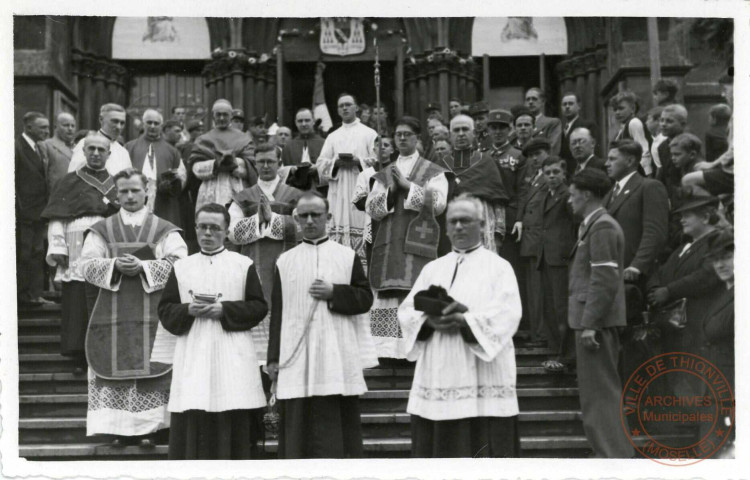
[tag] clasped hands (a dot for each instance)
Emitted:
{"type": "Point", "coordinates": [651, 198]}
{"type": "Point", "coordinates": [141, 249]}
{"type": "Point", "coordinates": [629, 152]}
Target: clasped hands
{"type": "Point", "coordinates": [452, 318]}
{"type": "Point", "coordinates": [264, 210]}
{"type": "Point", "coordinates": [128, 265]}
{"type": "Point", "coordinates": [399, 180]}
{"type": "Point", "coordinates": [321, 290]}
{"type": "Point", "coordinates": [198, 308]}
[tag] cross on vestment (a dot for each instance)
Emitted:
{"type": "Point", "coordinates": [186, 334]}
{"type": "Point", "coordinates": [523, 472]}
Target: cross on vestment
{"type": "Point", "coordinates": [424, 230]}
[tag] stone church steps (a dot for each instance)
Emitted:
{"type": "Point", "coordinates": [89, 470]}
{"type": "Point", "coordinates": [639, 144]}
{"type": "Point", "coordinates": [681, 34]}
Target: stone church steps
{"type": "Point", "coordinates": [53, 404]}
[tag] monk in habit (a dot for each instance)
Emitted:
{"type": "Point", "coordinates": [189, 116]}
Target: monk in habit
{"type": "Point", "coordinates": [318, 347]}
{"type": "Point", "coordinates": [211, 301]}
{"type": "Point", "coordinates": [222, 159]}
{"type": "Point", "coordinates": [129, 257]}
{"type": "Point", "coordinates": [160, 162]}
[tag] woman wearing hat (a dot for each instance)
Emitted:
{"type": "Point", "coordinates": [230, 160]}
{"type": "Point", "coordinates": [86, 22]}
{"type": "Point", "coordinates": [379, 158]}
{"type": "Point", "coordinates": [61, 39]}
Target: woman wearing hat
{"type": "Point", "coordinates": [688, 274]}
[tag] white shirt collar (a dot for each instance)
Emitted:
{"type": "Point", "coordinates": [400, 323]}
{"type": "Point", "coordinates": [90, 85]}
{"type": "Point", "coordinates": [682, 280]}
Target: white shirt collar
{"type": "Point", "coordinates": [134, 219]}
{"type": "Point", "coordinates": [352, 124]}
{"type": "Point", "coordinates": [28, 139]}
{"type": "Point", "coordinates": [268, 187]}
{"type": "Point", "coordinates": [571, 122]}
{"type": "Point", "coordinates": [405, 163]}
{"type": "Point", "coordinates": [588, 217]}
{"type": "Point", "coordinates": [621, 182]}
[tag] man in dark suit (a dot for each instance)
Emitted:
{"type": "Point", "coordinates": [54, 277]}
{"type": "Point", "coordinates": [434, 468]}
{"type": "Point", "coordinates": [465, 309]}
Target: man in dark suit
{"type": "Point", "coordinates": [571, 119]}
{"type": "Point", "coordinates": [549, 128]}
{"type": "Point", "coordinates": [32, 194]}
{"type": "Point", "coordinates": [59, 148]}
{"type": "Point", "coordinates": [582, 145]}
{"type": "Point", "coordinates": [556, 240]}
{"type": "Point", "coordinates": [596, 309]}
{"type": "Point", "coordinates": [640, 206]}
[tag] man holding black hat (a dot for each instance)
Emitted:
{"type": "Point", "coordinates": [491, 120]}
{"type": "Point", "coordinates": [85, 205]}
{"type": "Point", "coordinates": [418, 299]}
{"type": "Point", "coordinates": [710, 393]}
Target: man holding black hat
{"type": "Point", "coordinates": [479, 111]}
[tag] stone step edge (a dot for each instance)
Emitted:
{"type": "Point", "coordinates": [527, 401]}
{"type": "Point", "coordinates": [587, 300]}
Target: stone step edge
{"type": "Point", "coordinates": [370, 395]}
{"type": "Point", "coordinates": [271, 446]}
{"type": "Point", "coordinates": [367, 418]}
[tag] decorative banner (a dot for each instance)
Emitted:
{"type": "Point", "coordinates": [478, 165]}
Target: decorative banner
{"type": "Point", "coordinates": [519, 36]}
{"type": "Point", "coordinates": [342, 36]}
{"type": "Point", "coordinates": [161, 38]}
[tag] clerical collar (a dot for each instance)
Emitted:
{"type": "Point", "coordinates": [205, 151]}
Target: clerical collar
{"type": "Point", "coordinates": [316, 241]}
{"type": "Point", "coordinates": [408, 158]}
{"type": "Point", "coordinates": [468, 250]}
{"type": "Point", "coordinates": [215, 252]}
{"type": "Point", "coordinates": [101, 132]}
{"type": "Point", "coordinates": [268, 186]}
{"type": "Point", "coordinates": [133, 219]}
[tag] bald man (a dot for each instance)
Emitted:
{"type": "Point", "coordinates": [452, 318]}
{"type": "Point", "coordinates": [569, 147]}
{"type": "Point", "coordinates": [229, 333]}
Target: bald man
{"type": "Point", "coordinates": [161, 164]}
{"type": "Point", "coordinates": [222, 159]}
{"type": "Point", "coordinates": [112, 123]}
{"type": "Point", "coordinates": [59, 148]}
{"type": "Point", "coordinates": [81, 198]}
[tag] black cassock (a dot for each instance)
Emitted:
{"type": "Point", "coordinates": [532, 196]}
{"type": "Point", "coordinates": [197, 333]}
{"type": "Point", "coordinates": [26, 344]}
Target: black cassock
{"type": "Point", "coordinates": [321, 426]}
{"type": "Point", "coordinates": [228, 435]}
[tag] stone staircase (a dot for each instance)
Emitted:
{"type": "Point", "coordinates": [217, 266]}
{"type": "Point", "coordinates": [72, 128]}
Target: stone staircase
{"type": "Point", "coordinates": [52, 421]}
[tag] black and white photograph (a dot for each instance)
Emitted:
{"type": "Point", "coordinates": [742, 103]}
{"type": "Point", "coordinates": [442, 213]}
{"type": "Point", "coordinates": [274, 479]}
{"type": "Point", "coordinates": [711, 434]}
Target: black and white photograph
{"type": "Point", "coordinates": [365, 242]}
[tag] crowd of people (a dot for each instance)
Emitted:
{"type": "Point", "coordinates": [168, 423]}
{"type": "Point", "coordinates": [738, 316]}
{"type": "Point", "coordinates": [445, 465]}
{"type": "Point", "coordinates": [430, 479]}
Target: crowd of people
{"type": "Point", "coordinates": [204, 268]}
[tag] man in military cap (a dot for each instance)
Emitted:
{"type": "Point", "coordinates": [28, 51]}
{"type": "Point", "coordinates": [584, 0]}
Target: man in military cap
{"type": "Point", "coordinates": [479, 111]}
{"type": "Point", "coordinates": [238, 119]}
{"type": "Point", "coordinates": [512, 168]}
{"type": "Point", "coordinates": [434, 111]}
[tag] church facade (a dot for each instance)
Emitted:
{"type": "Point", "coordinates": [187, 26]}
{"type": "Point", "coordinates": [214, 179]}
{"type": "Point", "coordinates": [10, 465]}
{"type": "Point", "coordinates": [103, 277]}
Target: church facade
{"type": "Point", "coordinates": [266, 66]}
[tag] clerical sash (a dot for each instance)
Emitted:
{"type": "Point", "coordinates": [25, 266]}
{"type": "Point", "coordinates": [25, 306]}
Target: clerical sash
{"type": "Point", "coordinates": [123, 324]}
{"type": "Point", "coordinates": [394, 265]}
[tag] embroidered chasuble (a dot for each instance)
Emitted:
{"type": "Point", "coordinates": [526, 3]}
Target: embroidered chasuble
{"type": "Point", "coordinates": [455, 378]}
{"type": "Point", "coordinates": [347, 223]}
{"type": "Point", "coordinates": [129, 353]}
{"type": "Point", "coordinates": [119, 158]}
{"type": "Point", "coordinates": [161, 164]}
{"type": "Point", "coordinates": [480, 177]}
{"type": "Point", "coordinates": [223, 161]}
{"type": "Point", "coordinates": [408, 236]}
{"type": "Point", "coordinates": [264, 243]}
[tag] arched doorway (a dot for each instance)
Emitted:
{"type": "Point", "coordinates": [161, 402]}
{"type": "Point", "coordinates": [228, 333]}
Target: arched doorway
{"type": "Point", "coordinates": [165, 57]}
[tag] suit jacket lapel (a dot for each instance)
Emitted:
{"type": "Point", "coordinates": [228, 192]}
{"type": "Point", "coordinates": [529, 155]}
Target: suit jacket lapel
{"type": "Point", "coordinates": [633, 184]}
{"type": "Point", "coordinates": [550, 203]}
{"type": "Point", "coordinates": [592, 221]}
{"type": "Point", "coordinates": [31, 157]}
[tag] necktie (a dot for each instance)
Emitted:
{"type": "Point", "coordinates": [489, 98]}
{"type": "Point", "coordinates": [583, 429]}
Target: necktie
{"type": "Point", "coordinates": [615, 192]}
{"type": "Point", "coordinates": [38, 151]}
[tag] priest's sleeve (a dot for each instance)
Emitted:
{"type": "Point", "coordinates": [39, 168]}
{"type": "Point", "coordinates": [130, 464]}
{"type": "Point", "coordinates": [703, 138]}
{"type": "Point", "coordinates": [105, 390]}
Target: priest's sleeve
{"type": "Point", "coordinates": [245, 314]}
{"type": "Point", "coordinates": [355, 298]}
{"type": "Point", "coordinates": [173, 314]}
{"type": "Point", "coordinates": [274, 341]}
{"type": "Point", "coordinates": [97, 268]}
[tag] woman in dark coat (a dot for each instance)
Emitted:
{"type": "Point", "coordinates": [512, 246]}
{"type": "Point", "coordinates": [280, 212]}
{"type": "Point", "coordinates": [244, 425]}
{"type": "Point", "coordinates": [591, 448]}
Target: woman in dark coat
{"type": "Point", "coordinates": [688, 274]}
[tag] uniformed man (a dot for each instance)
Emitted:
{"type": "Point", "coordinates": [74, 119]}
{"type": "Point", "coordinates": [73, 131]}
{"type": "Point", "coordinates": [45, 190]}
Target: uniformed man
{"type": "Point", "coordinates": [479, 111]}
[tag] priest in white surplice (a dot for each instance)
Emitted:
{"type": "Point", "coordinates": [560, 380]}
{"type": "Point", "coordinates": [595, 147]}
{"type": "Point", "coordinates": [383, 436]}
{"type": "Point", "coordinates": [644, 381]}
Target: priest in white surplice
{"type": "Point", "coordinates": [212, 300]}
{"type": "Point", "coordinates": [112, 120]}
{"type": "Point", "coordinates": [355, 142]}
{"type": "Point", "coordinates": [320, 341]}
{"type": "Point", "coordinates": [463, 399]}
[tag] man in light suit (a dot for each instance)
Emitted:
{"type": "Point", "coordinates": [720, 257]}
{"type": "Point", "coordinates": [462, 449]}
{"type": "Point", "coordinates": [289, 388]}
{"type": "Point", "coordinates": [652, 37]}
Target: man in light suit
{"type": "Point", "coordinates": [549, 128]}
{"type": "Point", "coordinates": [31, 198]}
{"type": "Point", "coordinates": [596, 308]}
{"type": "Point", "coordinates": [59, 148]}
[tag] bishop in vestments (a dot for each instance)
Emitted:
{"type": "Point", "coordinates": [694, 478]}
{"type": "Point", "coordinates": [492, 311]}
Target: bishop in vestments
{"type": "Point", "coordinates": [211, 301]}
{"type": "Point", "coordinates": [261, 223]}
{"type": "Point", "coordinates": [318, 345]}
{"type": "Point", "coordinates": [160, 162]}
{"type": "Point", "coordinates": [222, 159]}
{"type": "Point", "coordinates": [463, 398]}
{"type": "Point", "coordinates": [80, 199]}
{"type": "Point", "coordinates": [405, 200]}
{"type": "Point", "coordinates": [129, 257]}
